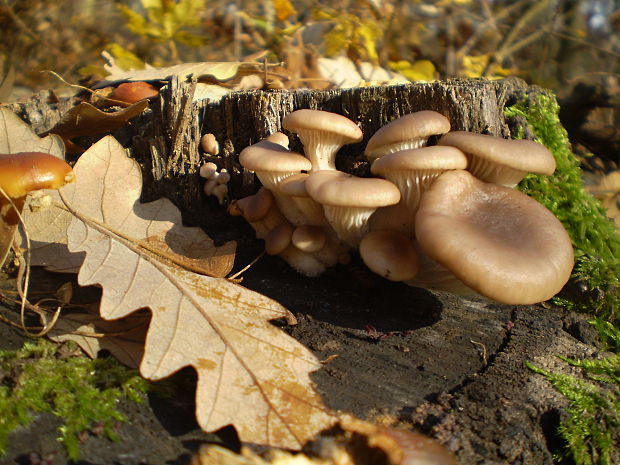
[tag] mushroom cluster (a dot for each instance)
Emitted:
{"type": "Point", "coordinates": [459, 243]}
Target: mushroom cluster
{"type": "Point", "coordinates": [445, 216]}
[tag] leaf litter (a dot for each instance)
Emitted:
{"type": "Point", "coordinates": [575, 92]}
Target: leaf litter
{"type": "Point", "coordinates": [250, 373]}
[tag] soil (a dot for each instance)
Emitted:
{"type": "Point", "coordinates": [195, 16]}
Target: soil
{"type": "Point", "coordinates": [448, 366]}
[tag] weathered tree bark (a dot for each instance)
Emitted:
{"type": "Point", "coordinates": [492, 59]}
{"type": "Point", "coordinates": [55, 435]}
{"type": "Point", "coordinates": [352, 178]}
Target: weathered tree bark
{"type": "Point", "coordinates": [453, 367]}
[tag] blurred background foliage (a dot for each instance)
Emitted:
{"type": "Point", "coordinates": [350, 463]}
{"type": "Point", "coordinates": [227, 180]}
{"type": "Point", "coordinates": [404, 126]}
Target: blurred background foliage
{"type": "Point", "coordinates": [569, 46]}
{"type": "Point", "coordinates": [548, 42]}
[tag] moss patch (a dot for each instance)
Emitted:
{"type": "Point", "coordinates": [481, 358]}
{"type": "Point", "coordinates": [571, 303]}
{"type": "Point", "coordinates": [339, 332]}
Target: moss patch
{"type": "Point", "coordinates": [42, 377]}
{"type": "Point", "coordinates": [592, 429]}
{"type": "Point", "coordinates": [594, 237]}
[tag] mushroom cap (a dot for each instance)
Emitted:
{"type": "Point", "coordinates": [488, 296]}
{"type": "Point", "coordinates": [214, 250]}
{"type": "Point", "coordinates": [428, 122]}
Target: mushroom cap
{"type": "Point", "coordinates": [254, 207]}
{"type": "Point", "coordinates": [208, 170]}
{"type": "Point", "coordinates": [309, 238]}
{"type": "Point", "coordinates": [209, 144]}
{"type": "Point", "coordinates": [323, 121]}
{"type": "Point", "coordinates": [414, 170]}
{"type": "Point", "coordinates": [503, 161]}
{"type": "Point", "coordinates": [278, 239]}
{"type": "Point", "coordinates": [335, 188]}
{"type": "Point", "coordinates": [425, 158]}
{"type": "Point", "coordinates": [132, 92]}
{"type": "Point", "coordinates": [414, 126]}
{"type": "Point", "coordinates": [497, 240]}
{"type": "Point", "coordinates": [295, 185]}
{"type": "Point", "coordinates": [389, 254]}
{"type": "Point", "coordinates": [269, 156]}
{"type": "Point", "coordinates": [322, 134]}
{"type": "Point", "coordinates": [278, 138]}
{"type": "Point", "coordinates": [272, 162]}
{"type": "Point", "coordinates": [348, 201]}
{"type": "Point", "coordinates": [24, 172]}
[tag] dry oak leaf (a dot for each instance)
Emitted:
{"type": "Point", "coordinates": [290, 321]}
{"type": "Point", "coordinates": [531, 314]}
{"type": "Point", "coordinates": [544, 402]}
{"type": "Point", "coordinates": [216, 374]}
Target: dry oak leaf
{"type": "Point", "coordinates": [123, 338]}
{"type": "Point", "coordinates": [209, 71]}
{"type": "Point", "coordinates": [250, 374]}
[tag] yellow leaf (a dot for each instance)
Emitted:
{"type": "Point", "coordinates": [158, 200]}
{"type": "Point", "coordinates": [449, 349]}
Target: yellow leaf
{"type": "Point", "coordinates": [284, 9]}
{"type": "Point", "coordinates": [418, 71]}
{"type": "Point", "coordinates": [473, 66]}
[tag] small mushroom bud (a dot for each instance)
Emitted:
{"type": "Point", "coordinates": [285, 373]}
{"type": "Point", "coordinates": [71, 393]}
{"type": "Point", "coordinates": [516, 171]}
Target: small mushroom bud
{"type": "Point", "coordinates": [223, 177]}
{"type": "Point", "coordinates": [209, 144]}
{"type": "Point", "coordinates": [278, 239]}
{"type": "Point", "coordinates": [208, 170]}
{"type": "Point", "coordinates": [220, 192]}
{"type": "Point", "coordinates": [309, 238]}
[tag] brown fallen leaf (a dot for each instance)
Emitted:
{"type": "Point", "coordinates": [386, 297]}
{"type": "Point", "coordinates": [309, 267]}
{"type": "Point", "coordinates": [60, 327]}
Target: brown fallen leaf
{"type": "Point", "coordinates": [218, 71]}
{"type": "Point", "coordinates": [85, 119]}
{"type": "Point", "coordinates": [250, 373]}
{"type": "Point", "coordinates": [123, 338]}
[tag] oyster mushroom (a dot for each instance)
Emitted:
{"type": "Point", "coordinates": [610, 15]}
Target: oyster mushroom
{"type": "Point", "coordinates": [496, 240]}
{"type": "Point", "coordinates": [413, 170]}
{"type": "Point", "coordinates": [501, 161]}
{"type": "Point", "coordinates": [322, 133]}
{"type": "Point", "coordinates": [407, 132]}
{"type": "Point", "coordinates": [348, 201]}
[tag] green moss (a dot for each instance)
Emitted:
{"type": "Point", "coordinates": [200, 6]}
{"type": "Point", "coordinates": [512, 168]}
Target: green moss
{"type": "Point", "coordinates": [81, 391]}
{"type": "Point", "coordinates": [595, 240]}
{"type": "Point", "coordinates": [592, 428]}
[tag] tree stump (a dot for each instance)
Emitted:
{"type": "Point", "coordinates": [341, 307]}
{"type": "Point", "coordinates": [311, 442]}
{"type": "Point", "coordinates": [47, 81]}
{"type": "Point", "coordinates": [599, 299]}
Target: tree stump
{"type": "Point", "coordinates": [451, 367]}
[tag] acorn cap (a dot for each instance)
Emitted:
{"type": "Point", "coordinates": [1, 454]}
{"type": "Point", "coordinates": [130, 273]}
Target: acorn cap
{"type": "Point", "coordinates": [498, 160]}
{"type": "Point", "coordinates": [497, 240]}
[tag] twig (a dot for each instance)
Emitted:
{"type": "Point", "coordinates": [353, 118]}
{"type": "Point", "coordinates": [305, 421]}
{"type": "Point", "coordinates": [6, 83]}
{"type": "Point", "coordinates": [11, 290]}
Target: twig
{"type": "Point", "coordinates": [245, 268]}
{"type": "Point", "coordinates": [585, 42]}
{"type": "Point", "coordinates": [490, 22]}
{"type": "Point", "coordinates": [484, 350]}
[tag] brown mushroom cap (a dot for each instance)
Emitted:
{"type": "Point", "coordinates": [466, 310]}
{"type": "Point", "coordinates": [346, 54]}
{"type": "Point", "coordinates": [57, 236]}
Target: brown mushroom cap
{"type": "Point", "coordinates": [407, 132]}
{"type": "Point", "coordinates": [498, 160]}
{"type": "Point", "coordinates": [389, 254]}
{"type": "Point", "coordinates": [348, 201]}
{"type": "Point", "coordinates": [24, 172]}
{"type": "Point", "coordinates": [278, 239]}
{"type": "Point", "coordinates": [254, 207]}
{"type": "Point", "coordinates": [322, 133]}
{"type": "Point", "coordinates": [497, 240]}
{"type": "Point", "coordinates": [414, 170]}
